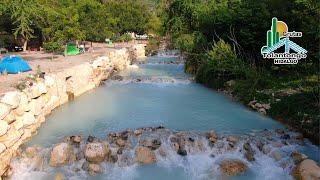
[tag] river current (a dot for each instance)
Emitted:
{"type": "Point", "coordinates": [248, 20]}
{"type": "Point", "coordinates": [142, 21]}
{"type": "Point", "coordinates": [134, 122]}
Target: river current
{"type": "Point", "coordinates": [155, 93]}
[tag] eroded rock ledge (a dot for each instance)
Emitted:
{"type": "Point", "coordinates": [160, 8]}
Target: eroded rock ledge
{"type": "Point", "coordinates": [23, 111]}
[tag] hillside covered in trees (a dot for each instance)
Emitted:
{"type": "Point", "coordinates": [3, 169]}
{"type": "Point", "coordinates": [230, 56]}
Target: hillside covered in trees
{"type": "Point", "coordinates": [221, 41]}
{"type": "Point", "coordinates": [54, 22]}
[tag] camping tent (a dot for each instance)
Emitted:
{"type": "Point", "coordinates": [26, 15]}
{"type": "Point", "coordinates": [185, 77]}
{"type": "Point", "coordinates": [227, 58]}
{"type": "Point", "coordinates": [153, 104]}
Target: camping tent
{"type": "Point", "coordinates": [71, 49]}
{"type": "Point", "coordinates": [13, 65]}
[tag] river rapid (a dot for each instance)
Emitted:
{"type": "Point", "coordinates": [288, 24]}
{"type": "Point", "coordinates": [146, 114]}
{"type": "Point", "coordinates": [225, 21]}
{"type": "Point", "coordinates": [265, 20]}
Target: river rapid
{"type": "Point", "coordinates": [157, 93]}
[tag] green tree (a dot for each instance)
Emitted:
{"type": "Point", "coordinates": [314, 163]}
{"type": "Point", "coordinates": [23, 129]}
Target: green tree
{"type": "Point", "coordinates": [24, 14]}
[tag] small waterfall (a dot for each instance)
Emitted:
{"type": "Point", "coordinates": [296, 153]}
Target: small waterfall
{"type": "Point", "coordinates": [198, 155]}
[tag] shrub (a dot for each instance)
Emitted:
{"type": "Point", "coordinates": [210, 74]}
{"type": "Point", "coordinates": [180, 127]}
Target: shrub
{"type": "Point", "coordinates": [152, 46]}
{"type": "Point", "coordinates": [220, 65]}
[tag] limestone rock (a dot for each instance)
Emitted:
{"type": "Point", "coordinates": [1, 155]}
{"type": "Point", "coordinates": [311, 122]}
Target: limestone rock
{"type": "Point", "coordinates": [11, 137]}
{"type": "Point", "coordinates": [11, 98]}
{"type": "Point", "coordinates": [96, 152]}
{"type": "Point", "coordinates": [36, 105]}
{"type": "Point", "coordinates": [307, 170]}
{"type": "Point", "coordinates": [145, 155]}
{"type": "Point", "coordinates": [3, 127]}
{"type": "Point", "coordinates": [2, 147]}
{"type": "Point", "coordinates": [4, 110]}
{"type": "Point", "coordinates": [23, 105]}
{"type": "Point", "coordinates": [36, 90]}
{"type": "Point", "coordinates": [27, 118]}
{"type": "Point", "coordinates": [232, 167]}
{"type": "Point", "coordinates": [10, 117]}
{"type": "Point", "coordinates": [298, 157]}
{"type": "Point", "coordinates": [61, 154]}
{"type": "Point", "coordinates": [18, 124]}
{"type": "Point", "coordinates": [49, 81]}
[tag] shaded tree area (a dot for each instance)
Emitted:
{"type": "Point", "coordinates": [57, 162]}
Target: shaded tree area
{"type": "Point", "coordinates": [56, 22]}
{"type": "Point", "coordinates": [222, 39]}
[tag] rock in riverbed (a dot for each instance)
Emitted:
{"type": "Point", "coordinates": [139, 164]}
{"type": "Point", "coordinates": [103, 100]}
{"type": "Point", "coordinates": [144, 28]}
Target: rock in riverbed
{"type": "Point", "coordinates": [145, 155]}
{"type": "Point", "coordinates": [61, 154]}
{"type": "Point", "coordinates": [96, 152]}
{"type": "Point", "coordinates": [232, 167]}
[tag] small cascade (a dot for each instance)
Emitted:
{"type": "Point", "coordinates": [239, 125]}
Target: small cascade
{"type": "Point", "coordinates": [198, 155]}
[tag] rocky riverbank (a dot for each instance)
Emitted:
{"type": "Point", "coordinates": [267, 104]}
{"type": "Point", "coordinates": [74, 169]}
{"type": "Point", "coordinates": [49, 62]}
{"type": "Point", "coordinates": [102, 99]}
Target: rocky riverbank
{"type": "Point", "coordinates": [227, 155]}
{"type": "Point", "coordinates": [23, 111]}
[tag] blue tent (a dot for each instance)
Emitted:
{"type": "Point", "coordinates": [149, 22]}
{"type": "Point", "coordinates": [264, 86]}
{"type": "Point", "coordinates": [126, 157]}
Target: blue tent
{"type": "Point", "coordinates": [13, 65]}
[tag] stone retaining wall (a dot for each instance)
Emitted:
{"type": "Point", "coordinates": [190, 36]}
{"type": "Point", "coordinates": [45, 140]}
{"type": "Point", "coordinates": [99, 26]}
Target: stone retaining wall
{"type": "Point", "coordinates": [23, 112]}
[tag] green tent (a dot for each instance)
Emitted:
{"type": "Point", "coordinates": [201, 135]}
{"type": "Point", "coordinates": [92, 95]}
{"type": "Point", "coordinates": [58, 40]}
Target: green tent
{"type": "Point", "coordinates": [71, 49]}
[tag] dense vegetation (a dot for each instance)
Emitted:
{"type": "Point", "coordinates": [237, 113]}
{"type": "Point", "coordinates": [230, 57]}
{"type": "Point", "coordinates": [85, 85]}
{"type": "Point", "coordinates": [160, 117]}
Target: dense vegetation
{"type": "Point", "coordinates": [221, 40]}
{"type": "Point", "coordinates": [55, 22]}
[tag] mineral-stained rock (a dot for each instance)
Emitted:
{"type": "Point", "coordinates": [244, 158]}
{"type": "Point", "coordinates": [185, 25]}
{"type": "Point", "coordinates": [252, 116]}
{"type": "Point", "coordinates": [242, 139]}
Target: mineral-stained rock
{"type": "Point", "coordinates": [307, 170]}
{"type": "Point", "coordinates": [232, 167]}
{"type": "Point", "coordinates": [145, 155]}
{"type": "Point", "coordinates": [61, 154]}
{"type": "Point", "coordinates": [96, 152]}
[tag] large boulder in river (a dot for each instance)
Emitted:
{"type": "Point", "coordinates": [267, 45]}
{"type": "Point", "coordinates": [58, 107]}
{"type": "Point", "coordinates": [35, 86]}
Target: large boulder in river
{"type": "Point", "coordinates": [96, 152]}
{"type": "Point", "coordinates": [298, 157]}
{"type": "Point", "coordinates": [232, 167]}
{"type": "Point", "coordinates": [61, 154]}
{"type": "Point", "coordinates": [307, 170]}
{"type": "Point", "coordinates": [145, 155]}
